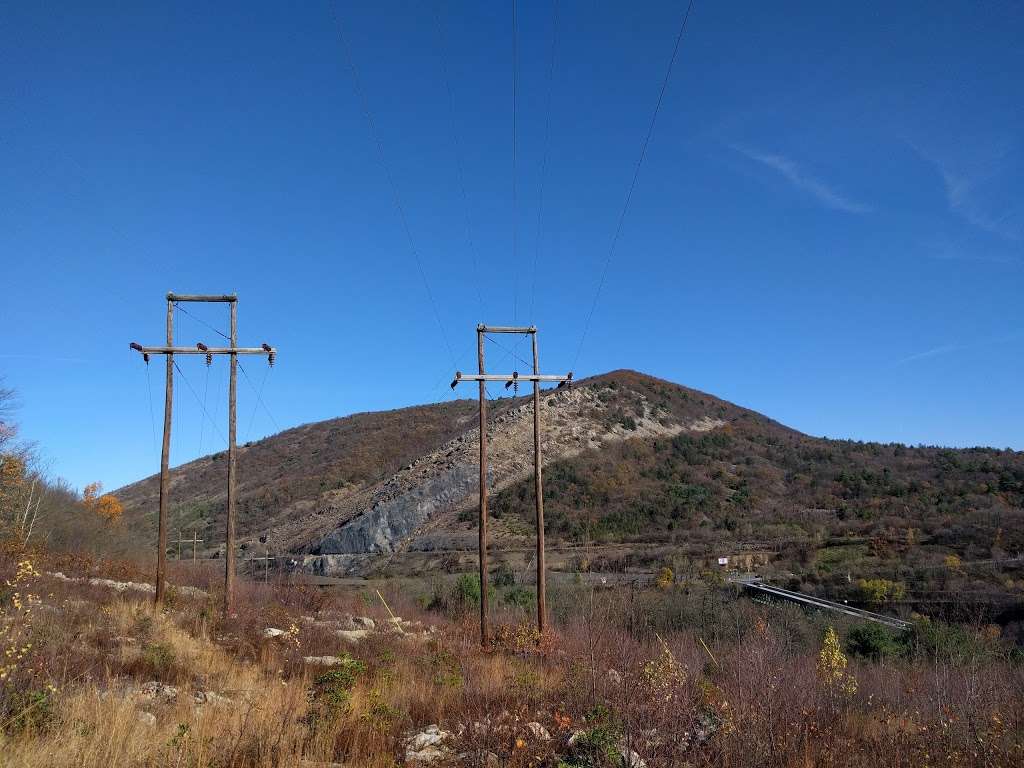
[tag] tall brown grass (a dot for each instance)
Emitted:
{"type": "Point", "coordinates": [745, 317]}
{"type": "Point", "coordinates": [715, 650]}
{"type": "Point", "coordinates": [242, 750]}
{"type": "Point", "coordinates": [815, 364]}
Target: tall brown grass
{"type": "Point", "coordinates": [740, 687]}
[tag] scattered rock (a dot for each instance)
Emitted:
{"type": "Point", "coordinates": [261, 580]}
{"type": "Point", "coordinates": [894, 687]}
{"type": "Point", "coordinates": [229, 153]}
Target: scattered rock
{"type": "Point", "coordinates": [157, 691]}
{"type": "Point", "coordinates": [273, 632]}
{"type": "Point", "coordinates": [352, 635]}
{"type": "Point", "coordinates": [363, 622]}
{"type": "Point", "coordinates": [209, 697]}
{"type": "Point", "coordinates": [426, 746]}
{"type": "Point", "coordinates": [146, 718]}
{"type": "Point", "coordinates": [614, 677]}
{"type": "Point", "coordinates": [538, 731]}
{"type": "Point", "coordinates": [324, 661]}
{"type": "Point", "coordinates": [631, 759]}
{"type": "Point", "coordinates": [125, 586]}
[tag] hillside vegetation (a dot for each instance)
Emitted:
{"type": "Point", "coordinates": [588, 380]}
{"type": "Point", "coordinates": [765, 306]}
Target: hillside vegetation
{"type": "Point", "coordinates": [638, 462]}
{"type": "Point", "coordinates": [660, 678]}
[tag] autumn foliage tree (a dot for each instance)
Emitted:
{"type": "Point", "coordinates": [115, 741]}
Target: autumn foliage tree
{"type": "Point", "coordinates": [106, 505]}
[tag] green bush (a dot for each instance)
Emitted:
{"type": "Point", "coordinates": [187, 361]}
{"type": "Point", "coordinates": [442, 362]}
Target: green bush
{"type": "Point", "coordinates": [519, 596]}
{"type": "Point", "coordinates": [158, 658]}
{"type": "Point", "coordinates": [873, 641]}
{"type": "Point", "coordinates": [331, 692]}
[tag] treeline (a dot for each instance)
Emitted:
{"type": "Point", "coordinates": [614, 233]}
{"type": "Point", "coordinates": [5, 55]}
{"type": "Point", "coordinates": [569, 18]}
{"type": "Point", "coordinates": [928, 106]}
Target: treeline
{"type": "Point", "coordinates": [38, 508]}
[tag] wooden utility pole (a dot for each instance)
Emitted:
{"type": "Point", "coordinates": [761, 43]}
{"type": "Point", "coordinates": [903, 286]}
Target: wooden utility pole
{"type": "Point", "coordinates": [485, 628]}
{"type": "Point", "coordinates": [538, 490]}
{"type": "Point", "coordinates": [165, 477]}
{"type": "Point", "coordinates": [509, 380]}
{"type": "Point", "coordinates": [229, 559]}
{"type": "Point", "coordinates": [195, 540]}
{"type": "Point", "coordinates": [165, 461]}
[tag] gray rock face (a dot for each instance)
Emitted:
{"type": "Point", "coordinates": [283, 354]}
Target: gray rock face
{"type": "Point", "coordinates": [389, 521]}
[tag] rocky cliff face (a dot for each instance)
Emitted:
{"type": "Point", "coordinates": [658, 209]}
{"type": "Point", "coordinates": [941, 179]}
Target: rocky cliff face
{"type": "Point", "coordinates": [389, 517]}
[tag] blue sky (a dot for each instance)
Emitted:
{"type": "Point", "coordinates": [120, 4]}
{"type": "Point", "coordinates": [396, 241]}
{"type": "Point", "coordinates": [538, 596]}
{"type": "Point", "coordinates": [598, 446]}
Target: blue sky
{"type": "Point", "coordinates": [828, 226]}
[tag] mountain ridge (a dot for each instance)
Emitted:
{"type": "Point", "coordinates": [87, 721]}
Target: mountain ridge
{"type": "Point", "coordinates": [628, 457]}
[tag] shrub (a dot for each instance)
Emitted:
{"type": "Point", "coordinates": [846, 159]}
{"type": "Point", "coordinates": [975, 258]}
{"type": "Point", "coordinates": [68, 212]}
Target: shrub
{"type": "Point", "coordinates": [331, 692]}
{"type": "Point", "coordinates": [519, 596]}
{"type": "Point", "coordinates": [158, 658]}
{"type": "Point", "coordinates": [873, 641]}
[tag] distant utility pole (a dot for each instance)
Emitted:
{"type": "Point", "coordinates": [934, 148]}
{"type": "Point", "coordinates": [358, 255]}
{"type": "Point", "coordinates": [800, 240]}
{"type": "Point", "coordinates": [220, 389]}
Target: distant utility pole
{"type": "Point", "coordinates": [510, 380]}
{"type": "Point", "coordinates": [169, 352]}
{"type": "Point", "coordinates": [195, 540]}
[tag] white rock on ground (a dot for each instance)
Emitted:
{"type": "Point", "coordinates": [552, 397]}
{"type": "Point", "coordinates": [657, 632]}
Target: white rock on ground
{"type": "Point", "coordinates": [631, 759]}
{"type": "Point", "coordinates": [426, 746]}
{"type": "Point", "coordinates": [323, 661]}
{"type": "Point", "coordinates": [158, 691]}
{"type": "Point", "coordinates": [538, 731]}
{"type": "Point", "coordinates": [352, 635]}
{"type": "Point", "coordinates": [123, 586]}
{"type": "Point", "coordinates": [273, 632]}
{"type": "Point", "coordinates": [209, 697]}
{"type": "Point", "coordinates": [146, 718]}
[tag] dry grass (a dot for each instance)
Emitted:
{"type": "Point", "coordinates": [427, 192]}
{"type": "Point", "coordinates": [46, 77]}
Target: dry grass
{"type": "Point", "coordinates": [754, 698]}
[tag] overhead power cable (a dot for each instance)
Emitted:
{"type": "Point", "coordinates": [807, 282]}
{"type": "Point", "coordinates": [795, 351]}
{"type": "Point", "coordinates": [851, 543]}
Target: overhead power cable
{"type": "Point", "coordinates": [259, 396]}
{"type": "Point", "coordinates": [196, 396]}
{"type": "Point", "coordinates": [632, 184]}
{"type": "Point", "coordinates": [152, 417]}
{"type": "Point", "coordinates": [177, 305]}
{"type": "Point", "coordinates": [457, 143]}
{"type": "Point", "coordinates": [544, 157]}
{"type": "Point", "coordinates": [367, 113]}
{"type": "Point", "coordinates": [515, 147]}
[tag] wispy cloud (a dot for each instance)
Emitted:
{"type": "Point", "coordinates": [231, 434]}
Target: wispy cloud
{"type": "Point", "coordinates": [963, 180]}
{"type": "Point", "coordinates": [799, 178]}
{"type": "Point", "coordinates": [960, 194]}
{"type": "Point", "coordinates": [945, 349]}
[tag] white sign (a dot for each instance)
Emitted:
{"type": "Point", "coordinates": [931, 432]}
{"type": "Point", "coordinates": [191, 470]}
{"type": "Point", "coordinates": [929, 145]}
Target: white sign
{"type": "Point", "coordinates": [723, 561]}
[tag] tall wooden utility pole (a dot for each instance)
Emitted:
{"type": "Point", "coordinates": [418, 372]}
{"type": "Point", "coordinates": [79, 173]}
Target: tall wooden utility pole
{"type": "Point", "coordinates": [229, 559]}
{"type": "Point", "coordinates": [165, 476]}
{"type": "Point", "coordinates": [485, 629]}
{"type": "Point", "coordinates": [536, 377]}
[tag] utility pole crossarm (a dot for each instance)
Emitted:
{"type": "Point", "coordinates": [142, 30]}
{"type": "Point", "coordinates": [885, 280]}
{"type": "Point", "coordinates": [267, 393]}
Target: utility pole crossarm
{"type": "Point", "coordinates": [506, 328]}
{"type": "Point", "coordinates": [267, 350]}
{"type": "Point", "coordinates": [460, 376]}
{"type": "Point", "coordinates": [226, 297]}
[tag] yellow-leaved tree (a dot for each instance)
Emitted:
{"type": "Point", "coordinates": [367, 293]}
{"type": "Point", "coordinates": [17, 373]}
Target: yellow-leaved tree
{"type": "Point", "coordinates": [107, 505]}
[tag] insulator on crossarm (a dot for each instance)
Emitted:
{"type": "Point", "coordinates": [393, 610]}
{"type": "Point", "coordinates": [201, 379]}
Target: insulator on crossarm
{"type": "Point", "coordinates": [145, 357]}
{"type": "Point", "coordinates": [270, 359]}
{"type": "Point", "coordinates": [209, 359]}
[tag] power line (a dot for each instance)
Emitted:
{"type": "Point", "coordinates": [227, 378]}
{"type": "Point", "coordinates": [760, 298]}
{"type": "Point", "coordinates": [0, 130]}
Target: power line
{"type": "Point", "coordinates": [180, 308]}
{"type": "Point", "coordinates": [152, 418]}
{"type": "Point", "coordinates": [361, 95]}
{"type": "Point", "coordinates": [632, 185]}
{"type": "Point", "coordinates": [544, 156]}
{"type": "Point", "coordinates": [515, 143]}
{"type": "Point", "coordinates": [508, 350]}
{"type": "Point", "coordinates": [259, 397]}
{"type": "Point", "coordinates": [196, 396]}
{"type": "Point", "coordinates": [474, 254]}
{"type": "Point", "coordinates": [202, 424]}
